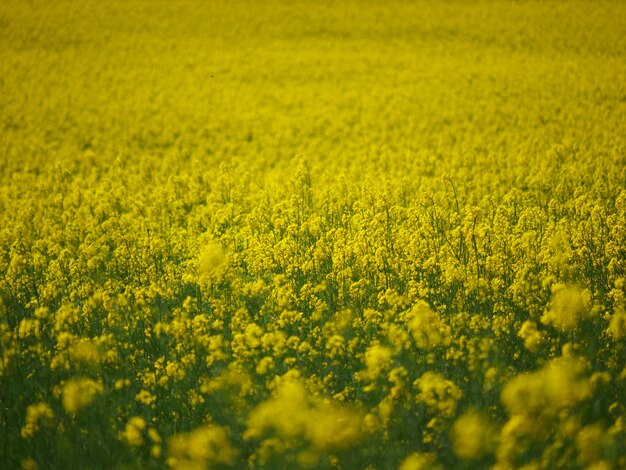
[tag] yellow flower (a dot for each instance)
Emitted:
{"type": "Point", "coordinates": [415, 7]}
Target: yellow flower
{"type": "Point", "coordinates": [86, 351]}
{"type": "Point", "coordinates": [29, 464]}
{"type": "Point", "coordinates": [335, 345]}
{"type": "Point", "coordinates": [42, 313]}
{"type": "Point", "coordinates": [556, 386]}
{"type": "Point", "coordinates": [265, 365]}
{"type": "Point", "coordinates": [568, 306]}
{"type": "Point", "coordinates": [201, 448]}
{"type": "Point", "coordinates": [533, 339]}
{"type": "Point", "coordinates": [592, 442]}
{"type": "Point", "coordinates": [133, 431]}
{"type": "Point", "coordinates": [29, 327]}
{"type": "Point", "coordinates": [79, 392]}
{"type": "Point", "coordinates": [377, 360]}
{"type": "Point", "coordinates": [420, 461]}
{"type": "Point", "coordinates": [438, 393]}
{"type": "Point", "coordinates": [617, 325]}
{"type": "Point", "coordinates": [121, 383]}
{"type": "Point", "coordinates": [145, 397]}
{"type": "Point", "coordinates": [36, 415]}
{"type": "Point", "coordinates": [212, 262]}
{"type": "Point", "coordinates": [291, 412]}
{"type": "Point", "coordinates": [473, 436]}
{"type": "Point", "coordinates": [426, 327]}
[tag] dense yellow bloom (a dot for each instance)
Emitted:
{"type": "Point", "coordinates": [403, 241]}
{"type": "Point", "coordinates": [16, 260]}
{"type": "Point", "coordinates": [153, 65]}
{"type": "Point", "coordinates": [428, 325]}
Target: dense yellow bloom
{"type": "Point", "coordinates": [517, 426]}
{"type": "Point", "coordinates": [265, 365]}
{"type": "Point", "coordinates": [241, 234]}
{"type": "Point", "coordinates": [617, 325]}
{"type": "Point", "coordinates": [291, 413]}
{"type": "Point", "coordinates": [420, 461]}
{"type": "Point", "coordinates": [212, 261]}
{"type": "Point", "coordinates": [29, 327]}
{"type": "Point", "coordinates": [201, 448]}
{"type": "Point", "coordinates": [473, 435]}
{"type": "Point", "coordinates": [86, 351]}
{"type": "Point", "coordinates": [335, 345]}
{"type": "Point", "coordinates": [426, 327]}
{"type": "Point", "coordinates": [133, 431]}
{"type": "Point", "coordinates": [557, 385]}
{"type": "Point", "coordinates": [145, 397]}
{"type": "Point", "coordinates": [439, 394]}
{"type": "Point", "coordinates": [79, 392]}
{"type": "Point", "coordinates": [533, 339]}
{"type": "Point", "coordinates": [36, 415]}
{"type": "Point", "coordinates": [568, 306]}
{"type": "Point", "coordinates": [592, 442]}
{"type": "Point", "coordinates": [377, 359]}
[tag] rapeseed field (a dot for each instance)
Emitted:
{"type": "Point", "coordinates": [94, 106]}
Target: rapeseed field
{"type": "Point", "coordinates": [330, 234]}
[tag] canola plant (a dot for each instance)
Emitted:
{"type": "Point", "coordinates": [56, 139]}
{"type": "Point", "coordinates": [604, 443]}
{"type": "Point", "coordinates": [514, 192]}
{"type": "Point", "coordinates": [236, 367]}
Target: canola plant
{"type": "Point", "coordinates": [331, 234]}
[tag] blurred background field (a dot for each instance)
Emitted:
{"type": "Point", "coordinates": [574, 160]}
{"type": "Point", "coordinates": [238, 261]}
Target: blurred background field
{"type": "Point", "coordinates": [333, 234]}
{"type": "Point", "coordinates": [344, 83]}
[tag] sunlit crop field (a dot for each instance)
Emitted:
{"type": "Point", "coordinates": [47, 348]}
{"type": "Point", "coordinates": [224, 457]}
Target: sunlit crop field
{"type": "Point", "coordinates": [298, 235]}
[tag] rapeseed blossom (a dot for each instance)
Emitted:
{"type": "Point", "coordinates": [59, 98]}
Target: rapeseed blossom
{"type": "Point", "coordinates": [37, 415]}
{"type": "Point", "coordinates": [211, 262]}
{"type": "Point", "coordinates": [334, 235]}
{"type": "Point", "coordinates": [133, 431]}
{"type": "Point", "coordinates": [293, 413]}
{"type": "Point", "coordinates": [473, 436]}
{"type": "Point", "coordinates": [568, 306]}
{"type": "Point", "coordinates": [419, 461]}
{"type": "Point", "coordinates": [426, 327]}
{"type": "Point", "coordinates": [439, 394]}
{"type": "Point", "coordinates": [204, 447]}
{"type": "Point", "coordinates": [79, 393]}
{"type": "Point", "coordinates": [377, 359]}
